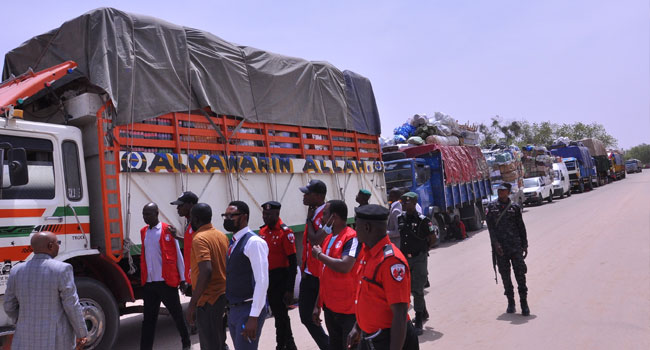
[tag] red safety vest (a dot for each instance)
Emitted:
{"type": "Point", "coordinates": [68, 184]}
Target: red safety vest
{"type": "Point", "coordinates": [169, 258]}
{"type": "Point", "coordinates": [308, 260]}
{"type": "Point", "coordinates": [337, 289]}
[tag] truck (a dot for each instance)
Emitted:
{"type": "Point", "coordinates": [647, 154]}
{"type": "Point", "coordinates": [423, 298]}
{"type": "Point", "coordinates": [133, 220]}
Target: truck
{"type": "Point", "coordinates": [633, 166]}
{"type": "Point", "coordinates": [600, 160]}
{"type": "Point", "coordinates": [80, 159]}
{"type": "Point", "coordinates": [579, 165]}
{"type": "Point", "coordinates": [449, 181]}
{"type": "Point", "coordinates": [538, 167]}
{"type": "Point", "coordinates": [617, 165]}
{"type": "Point", "coordinates": [505, 166]}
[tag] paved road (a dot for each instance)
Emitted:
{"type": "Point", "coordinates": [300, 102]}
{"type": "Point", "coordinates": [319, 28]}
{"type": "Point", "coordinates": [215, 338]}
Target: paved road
{"type": "Point", "coordinates": [588, 276]}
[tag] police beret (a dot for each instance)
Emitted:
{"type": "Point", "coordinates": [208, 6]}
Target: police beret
{"type": "Point", "coordinates": [271, 205]}
{"type": "Point", "coordinates": [410, 195]}
{"type": "Point", "coordinates": [504, 186]}
{"type": "Point", "coordinates": [372, 212]}
{"type": "Point", "coordinates": [364, 191]}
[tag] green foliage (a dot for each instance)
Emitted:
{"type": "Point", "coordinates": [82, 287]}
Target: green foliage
{"type": "Point", "coordinates": [640, 152]}
{"type": "Point", "coordinates": [523, 133]}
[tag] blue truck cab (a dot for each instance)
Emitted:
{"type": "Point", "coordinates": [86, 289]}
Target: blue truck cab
{"type": "Point", "coordinates": [580, 165]}
{"type": "Point", "coordinates": [440, 201]}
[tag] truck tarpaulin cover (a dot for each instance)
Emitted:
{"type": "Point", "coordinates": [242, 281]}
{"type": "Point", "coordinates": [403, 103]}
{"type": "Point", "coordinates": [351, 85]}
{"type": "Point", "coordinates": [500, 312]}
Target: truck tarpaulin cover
{"type": "Point", "coordinates": [461, 163]}
{"type": "Point", "coordinates": [150, 67]}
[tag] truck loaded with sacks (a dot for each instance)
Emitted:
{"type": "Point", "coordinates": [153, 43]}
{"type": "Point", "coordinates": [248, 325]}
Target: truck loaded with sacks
{"type": "Point", "coordinates": [91, 132]}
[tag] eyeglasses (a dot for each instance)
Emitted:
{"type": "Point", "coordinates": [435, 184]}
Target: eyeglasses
{"type": "Point", "coordinates": [230, 216]}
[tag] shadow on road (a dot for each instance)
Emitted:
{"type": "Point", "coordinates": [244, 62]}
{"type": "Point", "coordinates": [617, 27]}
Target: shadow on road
{"type": "Point", "coordinates": [429, 335]}
{"type": "Point", "coordinates": [516, 318]}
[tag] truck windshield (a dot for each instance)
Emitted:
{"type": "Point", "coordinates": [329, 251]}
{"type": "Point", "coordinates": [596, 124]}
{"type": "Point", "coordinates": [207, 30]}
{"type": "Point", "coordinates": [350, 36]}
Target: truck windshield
{"type": "Point", "coordinates": [398, 174]}
{"type": "Point", "coordinates": [528, 183]}
{"type": "Point", "coordinates": [570, 165]}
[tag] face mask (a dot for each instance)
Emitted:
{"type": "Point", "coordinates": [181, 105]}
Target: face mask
{"type": "Point", "coordinates": [328, 228]}
{"type": "Point", "coordinates": [229, 225]}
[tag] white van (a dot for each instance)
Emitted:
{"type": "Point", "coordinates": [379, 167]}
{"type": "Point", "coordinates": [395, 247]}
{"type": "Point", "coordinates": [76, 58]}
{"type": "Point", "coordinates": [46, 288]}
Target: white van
{"type": "Point", "coordinates": [561, 183]}
{"type": "Point", "coordinates": [536, 189]}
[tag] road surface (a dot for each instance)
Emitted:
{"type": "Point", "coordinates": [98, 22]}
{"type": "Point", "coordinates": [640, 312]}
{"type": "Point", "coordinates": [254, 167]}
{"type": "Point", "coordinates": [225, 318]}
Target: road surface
{"type": "Point", "coordinates": [588, 279]}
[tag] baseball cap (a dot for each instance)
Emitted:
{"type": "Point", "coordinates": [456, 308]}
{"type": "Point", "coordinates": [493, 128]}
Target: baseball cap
{"type": "Point", "coordinates": [504, 186]}
{"type": "Point", "coordinates": [314, 186]}
{"type": "Point", "coordinates": [186, 197]}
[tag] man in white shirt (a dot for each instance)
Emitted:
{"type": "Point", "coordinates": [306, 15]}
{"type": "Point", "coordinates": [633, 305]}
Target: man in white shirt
{"type": "Point", "coordinates": [160, 277]}
{"type": "Point", "coordinates": [247, 278]}
{"type": "Point", "coordinates": [395, 211]}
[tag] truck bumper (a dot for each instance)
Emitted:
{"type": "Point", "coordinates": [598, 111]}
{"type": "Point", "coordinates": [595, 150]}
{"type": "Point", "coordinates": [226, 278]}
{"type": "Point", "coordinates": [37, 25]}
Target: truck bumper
{"type": "Point", "coordinates": [557, 192]}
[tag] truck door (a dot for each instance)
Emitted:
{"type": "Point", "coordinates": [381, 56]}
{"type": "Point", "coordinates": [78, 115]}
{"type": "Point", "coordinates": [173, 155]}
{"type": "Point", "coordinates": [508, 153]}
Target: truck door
{"type": "Point", "coordinates": [76, 213]}
{"type": "Point", "coordinates": [32, 207]}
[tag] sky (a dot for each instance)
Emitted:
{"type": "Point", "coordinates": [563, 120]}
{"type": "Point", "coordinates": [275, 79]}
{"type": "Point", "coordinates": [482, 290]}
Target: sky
{"type": "Point", "coordinates": [554, 60]}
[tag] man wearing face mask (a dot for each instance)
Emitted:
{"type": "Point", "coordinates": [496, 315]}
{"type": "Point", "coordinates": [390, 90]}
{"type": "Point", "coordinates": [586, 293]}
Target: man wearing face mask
{"type": "Point", "coordinates": [338, 279]}
{"type": "Point", "coordinates": [208, 261]}
{"type": "Point", "coordinates": [247, 278]}
{"type": "Point", "coordinates": [314, 198]}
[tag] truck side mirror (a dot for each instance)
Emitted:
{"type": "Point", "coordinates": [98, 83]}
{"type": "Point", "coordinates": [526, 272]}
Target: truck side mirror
{"type": "Point", "coordinates": [18, 175]}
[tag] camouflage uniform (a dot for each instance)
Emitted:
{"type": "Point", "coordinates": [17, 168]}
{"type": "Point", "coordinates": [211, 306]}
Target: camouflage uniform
{"type": "Point", "coordinates": [510, 233]}
{"type": "Point", "coordinates": [415, 233]}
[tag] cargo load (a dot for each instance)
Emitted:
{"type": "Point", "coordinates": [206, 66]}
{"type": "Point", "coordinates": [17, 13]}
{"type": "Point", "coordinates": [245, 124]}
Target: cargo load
{"type": "Point", "coordinates": [506, 166]}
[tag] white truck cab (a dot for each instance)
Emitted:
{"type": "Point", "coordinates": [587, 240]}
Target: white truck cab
{"type": "Point", "coordinates": [561, 183]}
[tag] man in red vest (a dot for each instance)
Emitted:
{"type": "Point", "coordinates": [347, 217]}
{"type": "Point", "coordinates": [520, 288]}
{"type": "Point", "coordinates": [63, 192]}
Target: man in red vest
{"type": "Point", "coordinates": [338, 254]}
{"type": "Point", "coordinates": [314, 198]}
{"type": "Point", "coordinates": [161, 272]}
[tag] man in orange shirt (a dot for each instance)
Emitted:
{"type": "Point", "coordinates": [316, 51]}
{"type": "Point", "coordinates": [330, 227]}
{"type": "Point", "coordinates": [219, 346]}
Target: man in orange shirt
{"type": "Point", "coordinates": [208, 261]}
{"type": "Point", "coordinates": [384, 290]}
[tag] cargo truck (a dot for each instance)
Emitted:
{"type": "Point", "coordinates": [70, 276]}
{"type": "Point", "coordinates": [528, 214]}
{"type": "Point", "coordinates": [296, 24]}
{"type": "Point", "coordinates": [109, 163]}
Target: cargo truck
{"type": "Point", "coordinates": [617, 165]}
{"type": "Point", "coordinates": [579, 165]}
{"type": "Point", "coordinates": [80, 159]}
{"type": "Point", "coordinates": [449, 181]}
{"type": "Point", "coordinates": [600, 160]}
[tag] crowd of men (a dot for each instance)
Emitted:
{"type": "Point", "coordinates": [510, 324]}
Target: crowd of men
{"type": "Point", "coordinates": [359, 280]}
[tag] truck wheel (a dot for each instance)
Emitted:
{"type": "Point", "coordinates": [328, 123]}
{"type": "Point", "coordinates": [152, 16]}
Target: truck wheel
{"type": "Point", "coordinates": [475, 223]}
{"type": "Point", "coordinates": [386, 157]}
{"type": "Point", "coordinates": [590, 185]}
{"type": "Point", "coordinates": [568, 194]}
{"type": "Point", "coordinates": [100, 313]}
{"type": "Point", "coordinates": [550, 197]}
{"type": "Point", "coordinates": [561, 193]}
{"type": "Point", "coordinates": [438, 232]}
{"type": "Point", "coordinates": [582, 187]}
{"type": "Point", "coordinates": [540, 200]}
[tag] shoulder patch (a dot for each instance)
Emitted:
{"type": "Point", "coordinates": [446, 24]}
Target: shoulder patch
{"type": "Point", "coordinates": [291, 238]}
{"type": "Point", "coordinates": [388, 251]}
{"type": "Point", "coordinates": [397, 271]}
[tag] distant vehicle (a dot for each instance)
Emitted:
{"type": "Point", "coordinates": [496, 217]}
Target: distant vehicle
{"type": "Point", "coordinates": [536, 189]}
{"type": "Point", "coordinates": [617, 167]}
{"type": "Point", "coordinates": [561, 183]}
{"type": "Point", "coordinates": [580, 166]}
{"type": "Point", "coordinates": [633, 166]}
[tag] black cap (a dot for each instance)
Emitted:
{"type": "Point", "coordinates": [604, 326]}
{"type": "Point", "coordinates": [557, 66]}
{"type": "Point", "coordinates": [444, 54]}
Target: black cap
{"type": "Point", "coordinates": [505, 186]}
{"type": "Point", "coordinates": [315, 186]}
{"type": "Point", "coordinates": [186, 197]}
{"type": "Point", "coordinates": [271, 205]}
{"type": "Point", "coordinates": [372, 212]}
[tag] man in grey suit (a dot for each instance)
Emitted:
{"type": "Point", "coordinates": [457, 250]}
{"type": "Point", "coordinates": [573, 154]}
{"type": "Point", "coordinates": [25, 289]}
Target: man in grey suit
{"type": "Point", "coordinates": [42, 297]}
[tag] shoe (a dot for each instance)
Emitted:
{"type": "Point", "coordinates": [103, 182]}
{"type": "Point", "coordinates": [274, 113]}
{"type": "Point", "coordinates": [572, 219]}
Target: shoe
{"type": "Point", "coordinates": [525, 311]}
{"type": "Point", "coordinates": [511, 306]}
{"type": "Point", "coordinates": [427, 285]}
{"type": "Point", "coordinates": [425, 315]}
{"type": "Point", "coordinates": [187, 347]}
{"type": "Point", "coordinates": [417, 323]}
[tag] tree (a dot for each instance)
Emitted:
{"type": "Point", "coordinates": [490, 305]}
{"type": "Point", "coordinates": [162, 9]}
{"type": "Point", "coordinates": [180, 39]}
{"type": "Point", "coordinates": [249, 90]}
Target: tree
{"type": "Point", "coordinates": [640, 152]}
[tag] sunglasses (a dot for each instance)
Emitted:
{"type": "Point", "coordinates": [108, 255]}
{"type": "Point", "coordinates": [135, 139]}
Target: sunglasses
{"type": "Point", "coordinates": [230, 216]}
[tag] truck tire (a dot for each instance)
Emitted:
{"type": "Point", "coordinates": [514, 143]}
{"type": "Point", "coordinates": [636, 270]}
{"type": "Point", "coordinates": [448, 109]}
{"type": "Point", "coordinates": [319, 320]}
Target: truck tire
{"type": "Point", "coordinates": [568, 194]}
{"type": "Point", "coordinates": [540, 200]}
{"type": "Point", "coordinates": [386, 157]}
{"type": "Point", "coordinates": [550, 197]}
{"type": "Point", "coordinates": [581, 187]}
{"type": "Point", "coordinates": [590, 185]}
{"type": "Point", "coordinates": [100, 312]}
{"type": "Point", "coordinates": [476, 223]}
{"type": "Point", "coordinates": [561, 193]}
{"type": "Point", "coordinates": [438, 232]}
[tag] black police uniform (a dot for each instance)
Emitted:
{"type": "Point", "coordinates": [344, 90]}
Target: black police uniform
{"type": "Point", "coordinates": [510, 233]}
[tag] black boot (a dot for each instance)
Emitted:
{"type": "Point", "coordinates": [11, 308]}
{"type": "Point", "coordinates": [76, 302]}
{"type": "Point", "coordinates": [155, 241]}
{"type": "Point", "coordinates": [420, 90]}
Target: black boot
{"type": "Point", "coordinates": [525, 311]}
{"type": "Point", "coordinates": [417, 323]}
{"type": "Point", "coordinates": [511, 305]}
{"type": "Point", "coordinates": [425, 315]}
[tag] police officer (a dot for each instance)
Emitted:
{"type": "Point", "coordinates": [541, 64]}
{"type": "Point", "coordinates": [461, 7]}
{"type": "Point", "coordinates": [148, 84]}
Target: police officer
{"type": "Point", "coordinates": [510, 245]}
{"type": "Point", "coordinates": [363, 197]}
{"type": "Point", "coordinates": [417, 236]}
{"type": "Point", "coordinates": [282, 271]}
{"type": "Point", "coordinates": [383, 294]}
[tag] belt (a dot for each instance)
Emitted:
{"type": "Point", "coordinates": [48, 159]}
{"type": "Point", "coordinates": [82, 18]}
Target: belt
{"type": "Point", "coordinates": [240, 303]}
{"type": "Point", "coordinates": [370, 336]}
